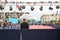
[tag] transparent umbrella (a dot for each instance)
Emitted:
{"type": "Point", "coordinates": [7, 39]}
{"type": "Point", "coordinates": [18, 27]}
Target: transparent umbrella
{"type": "Point", "coordinates": [28, 16]}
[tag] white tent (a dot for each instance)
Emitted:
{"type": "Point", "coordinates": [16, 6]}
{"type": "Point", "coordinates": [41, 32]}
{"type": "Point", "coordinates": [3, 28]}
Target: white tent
{"type": "Point", "coordinates": [28, 16]}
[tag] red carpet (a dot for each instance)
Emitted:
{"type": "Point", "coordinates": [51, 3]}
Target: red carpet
{"type": "Point", "coordinates": [40, 27]}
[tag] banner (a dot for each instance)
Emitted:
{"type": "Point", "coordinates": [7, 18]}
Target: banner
{"type": "Point", "coordinates": [13, 20]}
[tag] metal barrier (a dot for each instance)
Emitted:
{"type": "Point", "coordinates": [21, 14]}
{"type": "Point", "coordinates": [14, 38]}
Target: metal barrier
{"type": "Point", "coordinates": [10, 27]}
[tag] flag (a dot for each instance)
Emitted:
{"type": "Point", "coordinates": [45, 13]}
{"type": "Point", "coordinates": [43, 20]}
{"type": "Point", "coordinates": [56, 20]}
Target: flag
{"type": "Point", "coordinates": [5, 1]}
{"type": "Point", "coordinates": [17, 6]}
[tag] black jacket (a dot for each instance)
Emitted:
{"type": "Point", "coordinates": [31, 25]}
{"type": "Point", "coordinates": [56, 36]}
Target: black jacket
{"type": "Point", "coordinates": [24, 25]}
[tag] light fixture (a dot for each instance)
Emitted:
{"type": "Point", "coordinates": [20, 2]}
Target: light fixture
{"type": "Point", "coordinates": [10, 8]}
{"type": "Point", "coordinates": [32, 8]}
{"type": "Point", "coordinates": [23, 7]}
{"type": "Point", "coordinates": [41, 8]}
{"type": "Point", "coordinates": [50, 8]}
{"type": "Point", "coordinates": [57, 7]}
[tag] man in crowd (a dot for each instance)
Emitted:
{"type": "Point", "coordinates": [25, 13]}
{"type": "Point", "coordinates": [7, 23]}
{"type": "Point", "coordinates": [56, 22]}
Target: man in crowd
{"type": "Point", "coordinates": [24, 24]}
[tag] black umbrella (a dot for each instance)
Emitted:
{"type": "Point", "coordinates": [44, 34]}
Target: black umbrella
{"type": "Point", "coordinates": [23, 7]}
{"type": "Point", "coordinates": [50, 8]}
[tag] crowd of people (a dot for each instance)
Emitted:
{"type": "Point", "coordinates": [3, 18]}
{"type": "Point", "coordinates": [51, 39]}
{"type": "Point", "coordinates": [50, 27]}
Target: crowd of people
{"type": "Point", "coordinates": [24, 24]}
{"type": "Point", "coordinates": [9, 25]}
{"type": "Point", "coordinates": [18, 25]}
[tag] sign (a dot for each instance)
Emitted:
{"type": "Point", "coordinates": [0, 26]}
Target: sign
{"type": "Point", "coordinates": [13, 20]}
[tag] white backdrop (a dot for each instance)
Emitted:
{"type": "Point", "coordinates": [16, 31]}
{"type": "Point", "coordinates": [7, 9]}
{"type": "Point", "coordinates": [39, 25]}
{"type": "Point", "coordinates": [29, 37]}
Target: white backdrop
{"type": "Point", "coordinates": [32, 0]}
{"type": "Point", "coordinates": [36, 11]}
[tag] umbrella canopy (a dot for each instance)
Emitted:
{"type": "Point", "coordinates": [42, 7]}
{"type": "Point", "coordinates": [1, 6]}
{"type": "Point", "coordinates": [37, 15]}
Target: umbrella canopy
{"type": "Point", "coordinates": [1, 20]}
{"type": "Point", "coordinates": [28, 16]}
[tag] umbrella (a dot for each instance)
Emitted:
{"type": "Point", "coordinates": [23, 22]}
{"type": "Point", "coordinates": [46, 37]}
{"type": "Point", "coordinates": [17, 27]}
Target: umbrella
{"type": "Point", "coordinates": [28, 16]}
{"type": "Point", "coordinates": [1, 20]}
